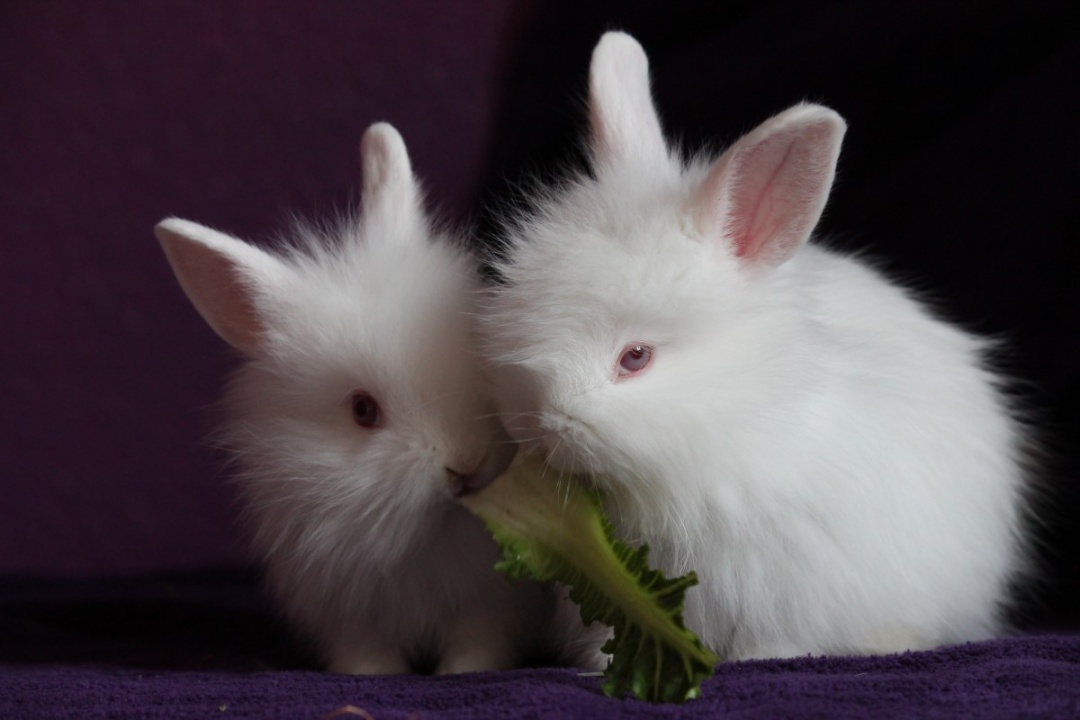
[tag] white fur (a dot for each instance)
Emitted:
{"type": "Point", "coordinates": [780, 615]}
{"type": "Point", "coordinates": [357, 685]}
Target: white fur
{"type": "Point", "coordinates": [363, 544]}
{"type": "Point", "coordinates": [837, 464]}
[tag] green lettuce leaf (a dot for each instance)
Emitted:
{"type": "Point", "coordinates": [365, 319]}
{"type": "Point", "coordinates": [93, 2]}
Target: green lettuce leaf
{"type": "Point", "coordinates": [557, 531]}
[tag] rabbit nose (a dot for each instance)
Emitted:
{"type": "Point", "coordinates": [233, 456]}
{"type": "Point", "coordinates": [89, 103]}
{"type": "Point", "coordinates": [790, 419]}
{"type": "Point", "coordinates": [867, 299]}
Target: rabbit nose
{"type": "Point", "coordinates": [498, 458]}
{"type": "Point", "coordinates": [456, 481]}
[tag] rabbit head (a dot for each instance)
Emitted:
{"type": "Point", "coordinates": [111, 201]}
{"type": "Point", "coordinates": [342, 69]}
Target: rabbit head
{"type": "Point", "coordinates": [360, 406]}
{"type": "Point", "coordinates": [632, 304]}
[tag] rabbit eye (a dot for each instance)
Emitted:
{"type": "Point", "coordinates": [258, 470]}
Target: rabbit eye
{"type": "Point", "coordinates": [634, 359]}
{"type": "Point", "coordinates": [365, 410]}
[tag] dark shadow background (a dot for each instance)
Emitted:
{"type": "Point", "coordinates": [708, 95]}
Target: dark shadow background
{"type": "Point", "coordinates": [959, 169]}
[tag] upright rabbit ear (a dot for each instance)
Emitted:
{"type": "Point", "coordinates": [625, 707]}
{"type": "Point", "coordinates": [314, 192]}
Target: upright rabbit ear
{"type": "Point", "coordinates": [624, 123]}
{"type": "Point", "coordinates": [766, 193]}
{"type": "Point", "coordinates": [391, 200]}
{"type": "Point", "coordinates": [225, 278]}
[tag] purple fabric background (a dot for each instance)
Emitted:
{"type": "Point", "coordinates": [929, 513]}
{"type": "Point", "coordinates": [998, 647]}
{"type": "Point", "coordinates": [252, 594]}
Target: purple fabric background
{"type": "Point", "coordinates": [184, 647]}
{"type": "Point", "coordinates": [1035, 677]}
{"type": "Point", "coordinates": [960, 170]}
{"type": "Point", "coordinates": [116, 115]}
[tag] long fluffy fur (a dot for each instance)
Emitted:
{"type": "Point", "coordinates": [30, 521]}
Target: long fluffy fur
{"type": "Point", "coordinates": [363, 544]}
{"type": "Point", "coordinates": [837, 464]}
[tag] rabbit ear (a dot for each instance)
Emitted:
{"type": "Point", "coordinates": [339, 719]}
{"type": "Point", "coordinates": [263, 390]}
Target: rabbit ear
{"type": "Point", "coordinates": [624, 123]}
{"type": "Point", "coordinates": [766, 193]}
{"type": "Point", "coordinates": [391, 199]}
{"type": "Point", "coordinates": [224, 278]}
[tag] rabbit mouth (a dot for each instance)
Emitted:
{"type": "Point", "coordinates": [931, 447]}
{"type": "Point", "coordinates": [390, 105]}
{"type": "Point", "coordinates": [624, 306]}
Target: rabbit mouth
{"type": "Point", "coordinates": [573, 447]}
{"type": "Point", "coordinates": [565, 443]}
{"type": "Point", "coordinates": [500, 453]}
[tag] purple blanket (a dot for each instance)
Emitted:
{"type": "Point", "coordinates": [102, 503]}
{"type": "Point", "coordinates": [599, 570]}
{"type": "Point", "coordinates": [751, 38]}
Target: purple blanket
{"type": "Point", "coordinates": [1024, 677]}
{"type": "Point", "coordinates": [207, 645]}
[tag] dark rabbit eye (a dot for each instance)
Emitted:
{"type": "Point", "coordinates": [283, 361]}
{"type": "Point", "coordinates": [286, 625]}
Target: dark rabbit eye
{"type": "Point", "coordinates": [365, 410]}
{"type": "Point", "coordinates": [634, 359]}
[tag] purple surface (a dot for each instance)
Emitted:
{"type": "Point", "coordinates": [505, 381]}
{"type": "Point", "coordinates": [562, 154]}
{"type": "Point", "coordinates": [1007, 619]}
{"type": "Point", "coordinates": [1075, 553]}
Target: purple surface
{"type": "Point", "coordinates": [1028, 677]}
{"type": "Point", "coordinates": [186, 646]}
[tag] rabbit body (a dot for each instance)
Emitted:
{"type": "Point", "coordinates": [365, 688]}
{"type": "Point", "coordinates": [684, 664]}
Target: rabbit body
{"type": "Point", "coordinates": [358, 415]}
{"type": "Point", "coordinates": [837, 464]}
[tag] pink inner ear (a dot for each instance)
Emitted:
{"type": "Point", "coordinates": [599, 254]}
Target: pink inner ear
{"type": "Point", "coordinates": [219, 291]}
{"type": "Point", "coordinates": [757, 200]}
{"type": "Point", "coordinates": [776, 201]}
{"type": "Point", "coordinates": [235, 316]}
{"type": "Point", "coordinates": [766, 194]}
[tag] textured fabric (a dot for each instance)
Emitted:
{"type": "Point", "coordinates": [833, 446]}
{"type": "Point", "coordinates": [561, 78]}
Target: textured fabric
{"type": "Point", "coordinates": [206, 645]}
{"type": "Point", "coordinates": [1030, 677]}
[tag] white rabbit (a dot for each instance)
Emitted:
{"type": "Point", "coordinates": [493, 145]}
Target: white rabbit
{"type": "Point", "coordinates": [837, 464]}
{"type": "Point", "coordinates": [359, 414]}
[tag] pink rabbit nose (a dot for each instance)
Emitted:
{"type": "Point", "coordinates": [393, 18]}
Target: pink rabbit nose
{"type": "Point", "coordinates": [498, 458]}
{"type": "Point", "coordinates": [456, 481]}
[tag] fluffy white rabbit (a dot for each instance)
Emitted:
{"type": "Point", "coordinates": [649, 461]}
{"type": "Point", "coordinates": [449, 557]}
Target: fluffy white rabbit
{"type": "Point", "coordinates": [359, 414]}
{"type": "Point", "coordinates": [836, 463]}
